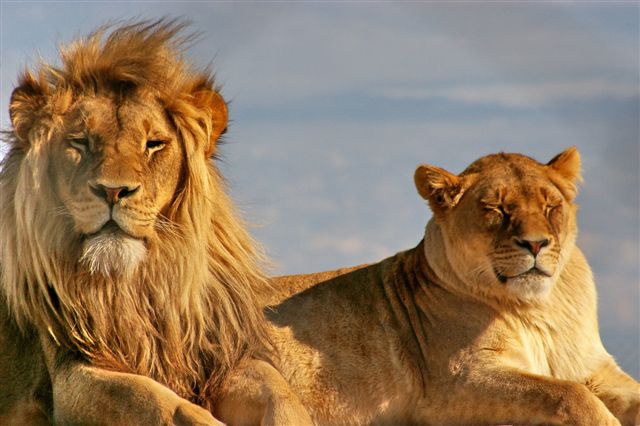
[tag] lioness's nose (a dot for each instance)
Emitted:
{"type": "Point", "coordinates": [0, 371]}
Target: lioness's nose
{"type": "Point", "coordinates": [113, 195]}
{"type": "Point", "coordinates": [533, 246]}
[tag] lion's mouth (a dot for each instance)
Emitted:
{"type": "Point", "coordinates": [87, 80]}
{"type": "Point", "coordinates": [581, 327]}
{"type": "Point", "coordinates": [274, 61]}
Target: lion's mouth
{"type": "Point", "coordinates": [110, 227]}
{"type": "Point", "coordinates": [533, 272]}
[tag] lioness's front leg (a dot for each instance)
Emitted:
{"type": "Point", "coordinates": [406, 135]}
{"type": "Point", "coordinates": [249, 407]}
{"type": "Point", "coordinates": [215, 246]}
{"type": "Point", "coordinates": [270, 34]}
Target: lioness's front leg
{"type": "Point", "coordinates": [255, 393]}
{"type": "Point", "coordinates": [510, 396]}
{"type": "Point", "coordinates": [87, 395]}
{"type": "Point", "coordinates": [619, 392]}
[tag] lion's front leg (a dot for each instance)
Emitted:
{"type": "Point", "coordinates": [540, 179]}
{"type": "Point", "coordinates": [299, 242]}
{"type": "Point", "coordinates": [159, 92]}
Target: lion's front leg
{"type": "Point", "coordinates": [256, 394]}
{"type": "Point", "coordinates": [92, 396]}
{"type": "Point", "coordinates": [510, 396]}
{"type": "Point", "coordinates": [619, 392]}
{"type": "Point", "coordinates": [88, 395]}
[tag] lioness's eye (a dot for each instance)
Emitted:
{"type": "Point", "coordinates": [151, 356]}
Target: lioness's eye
{"type": "Point", "coordinates": [79, 143]}
{"type": "Point", "coordinates": [155, 144]}
{"type": "Point", "coordinates": [505, 215]}
{"type": "Point", "coordinates": [499, 212]}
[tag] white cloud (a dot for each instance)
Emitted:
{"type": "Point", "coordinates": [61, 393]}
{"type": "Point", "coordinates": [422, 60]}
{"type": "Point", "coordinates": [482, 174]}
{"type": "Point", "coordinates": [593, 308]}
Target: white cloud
{"type": "Point", "coordinates": [356, 246]}
{"type": "Point", "coordinates": [271, 54]}
{"type": "Point", "coordinates": [520, 95]}
{"type": "Point", "coordinates": [309, 52]}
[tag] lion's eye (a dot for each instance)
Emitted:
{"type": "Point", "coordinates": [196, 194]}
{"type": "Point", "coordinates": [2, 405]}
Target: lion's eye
{"type": "Point", "coordinates": [155, 145]}
{"type": "Point", "coordinates": [551, 208]}
{"type": "Point", "coordinates": [79, 143]}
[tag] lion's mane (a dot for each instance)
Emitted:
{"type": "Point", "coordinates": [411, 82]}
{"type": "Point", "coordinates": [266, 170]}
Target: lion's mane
{"type": "Point", "coordinates": [190, 312]}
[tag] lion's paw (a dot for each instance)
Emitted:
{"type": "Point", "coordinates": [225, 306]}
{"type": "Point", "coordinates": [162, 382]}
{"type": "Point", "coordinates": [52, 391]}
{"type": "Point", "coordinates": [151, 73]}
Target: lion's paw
{"type": "Point", "coordinates": [188, 414]}
{"type": "Point", "coordinates": [604, 419]}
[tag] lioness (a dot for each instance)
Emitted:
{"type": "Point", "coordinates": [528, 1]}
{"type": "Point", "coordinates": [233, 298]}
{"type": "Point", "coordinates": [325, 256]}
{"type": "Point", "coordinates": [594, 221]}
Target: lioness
{"type": "Point", "coordinates": [490, 319]}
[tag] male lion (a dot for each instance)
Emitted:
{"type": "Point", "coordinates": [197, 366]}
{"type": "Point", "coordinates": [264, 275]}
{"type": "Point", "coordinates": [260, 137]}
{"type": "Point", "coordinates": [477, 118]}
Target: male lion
{"type": "Point", "coordinates": [490, 319]}
{"type": "Point", "coordinates": [124, 267]}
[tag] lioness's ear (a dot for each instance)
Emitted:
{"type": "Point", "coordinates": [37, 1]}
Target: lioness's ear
{"type": "Point", "coordinates": [26, 103]}
{"type": "Point", "coordinates": [210, 100]}
{"type": "Point", "coordinates": [441, 188]}
{"type": "Point", "coordinates": [567, 165]}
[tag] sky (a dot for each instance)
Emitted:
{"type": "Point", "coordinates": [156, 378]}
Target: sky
{"type": "Point", "coordinates": [334, 104]}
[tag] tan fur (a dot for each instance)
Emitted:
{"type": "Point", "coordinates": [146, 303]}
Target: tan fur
{"type": "Point", "coordinates": [164, 284]}
{"type": "Point", "coordinates": [460, 329]}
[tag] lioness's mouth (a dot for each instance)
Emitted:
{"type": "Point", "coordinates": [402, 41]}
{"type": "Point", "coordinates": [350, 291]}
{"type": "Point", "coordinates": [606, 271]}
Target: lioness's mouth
{"type": "Point", "coordinates": [531, 273]}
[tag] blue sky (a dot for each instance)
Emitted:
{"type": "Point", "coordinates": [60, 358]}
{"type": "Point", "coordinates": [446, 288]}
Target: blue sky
{"type": "Point", "coordinates": [335, 104]}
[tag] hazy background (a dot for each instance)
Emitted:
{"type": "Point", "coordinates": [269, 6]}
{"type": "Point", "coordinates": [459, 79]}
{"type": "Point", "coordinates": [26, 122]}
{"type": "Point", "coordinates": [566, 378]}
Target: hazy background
{"type": "Point", "coordinates": [335, 104]}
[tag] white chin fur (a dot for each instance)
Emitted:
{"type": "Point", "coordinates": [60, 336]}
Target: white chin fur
{"type": "Point", "coordinates": [112, 254]}
{"type": "Point", "coordinates": [529, 288]}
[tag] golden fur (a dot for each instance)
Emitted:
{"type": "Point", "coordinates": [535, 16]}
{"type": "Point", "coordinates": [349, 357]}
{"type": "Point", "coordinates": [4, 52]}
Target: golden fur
{"type": "Point", "coordinates": [491, 319]}
{"type": "Point", "coordinates": [164, 284]}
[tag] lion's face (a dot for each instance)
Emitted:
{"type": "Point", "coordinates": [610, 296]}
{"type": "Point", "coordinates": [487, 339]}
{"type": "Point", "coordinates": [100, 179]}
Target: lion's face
{"type": "Point", "coordinates": [116, 167]}
{"type": "Point", "coordinates": [113, 141]}
{"type": "Point", "coordinates": [507, 222]}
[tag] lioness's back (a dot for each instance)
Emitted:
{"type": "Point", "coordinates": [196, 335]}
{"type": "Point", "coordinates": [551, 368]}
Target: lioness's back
{"type": "Point", "coordinates": [288, 285]}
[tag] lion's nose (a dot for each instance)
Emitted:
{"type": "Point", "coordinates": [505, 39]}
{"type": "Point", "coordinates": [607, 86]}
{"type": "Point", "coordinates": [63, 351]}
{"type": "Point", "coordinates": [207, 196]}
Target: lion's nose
{"type": "Point", "coordinates": [113, 194]}
{"type": "Point", "coordinates": [533, 246]}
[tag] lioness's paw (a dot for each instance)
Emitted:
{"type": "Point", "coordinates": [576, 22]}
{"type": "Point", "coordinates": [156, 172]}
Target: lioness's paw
{"type": "Point", "coordinates": [188, 414]}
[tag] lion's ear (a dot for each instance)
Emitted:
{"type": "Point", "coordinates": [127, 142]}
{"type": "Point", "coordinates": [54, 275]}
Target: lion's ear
{"type": "Point", "coordinates": [567, 165]}
{"type": "Point", "coordinates": [209, 99]}
{"type": "Point", "coordinates": [441, 188]}
{"type": "Point", "coordinates": [26, 103]}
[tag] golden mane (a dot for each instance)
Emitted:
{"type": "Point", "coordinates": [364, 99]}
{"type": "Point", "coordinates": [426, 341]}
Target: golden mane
{"type": "Point", "coordinates": [191, 312]}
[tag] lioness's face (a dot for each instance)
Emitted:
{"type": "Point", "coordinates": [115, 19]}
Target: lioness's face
{"type": "Point", "coordinates": [116, 169]}
{"type": "Point", "coordinates": [515, 226]}
{"type": "Point", "coordinates": [509, 226]}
